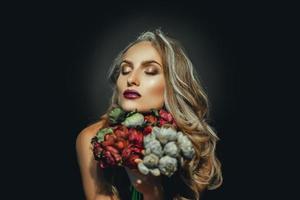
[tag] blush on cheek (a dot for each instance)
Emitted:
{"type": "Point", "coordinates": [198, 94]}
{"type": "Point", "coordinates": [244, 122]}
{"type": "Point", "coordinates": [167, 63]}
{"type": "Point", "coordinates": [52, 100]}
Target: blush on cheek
{"type": "Point", "coordinates": [155, 96]}
{"type": "Point", "coordinates": [159, 90]}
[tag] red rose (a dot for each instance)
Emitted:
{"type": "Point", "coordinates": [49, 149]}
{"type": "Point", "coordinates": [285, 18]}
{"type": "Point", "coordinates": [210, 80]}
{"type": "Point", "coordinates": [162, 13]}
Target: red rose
{"type": "Point", "coordinates": [107, 143]}
{"type": "Point", "coordinates": [162, 122]}
{"type": "Point", "coordinates": [121, 144]}
{"type": "Point", "coordinates": [150, 118]}
{"type": "Point", "coordinates": [135, 137]}
{"type": "Point", "coordinates": [109, 158]}
{"type": "Point", "coordinates": [97, 150]}
{"type": "Point", "coordinates": [130, 162]}
{"type": "Point", "coordinates": [147, 130]}
{"type": "Point", "coordinates": [131, 149]}
{"type": "Point", "coordinates": [117, 157]}
{"type": "Point", "coordinates": [131, 153]}
{"type": "Point", "coordinates": [111, 149]}
{"type": "Point", "coordinates": [121, 132]}
{"type": "Point", "coordinates": [110, 137]}
{"type": "Point", "coordinates": [166, 117]}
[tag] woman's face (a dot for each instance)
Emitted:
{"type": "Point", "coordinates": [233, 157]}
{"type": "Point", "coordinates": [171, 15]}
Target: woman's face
{"type": "Point", "coordinates": [141, 82]}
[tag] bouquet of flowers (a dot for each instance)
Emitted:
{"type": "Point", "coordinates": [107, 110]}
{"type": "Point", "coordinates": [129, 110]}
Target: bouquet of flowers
{"type": "Point", "coordinates": [152, 137]}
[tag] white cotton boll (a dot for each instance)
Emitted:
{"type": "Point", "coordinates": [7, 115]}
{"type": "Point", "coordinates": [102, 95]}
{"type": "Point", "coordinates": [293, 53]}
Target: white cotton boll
{"type": "Point", "coordinates": [154, 147]}
{"type": "Point", "coordinates": [155, 172]}
{"type": "Point", "coordinates": [148, 138]}
{"type": "Point", "coordinates": [180, 137]}
{"type": "Point", "coordinates": [166, 134]}
{"type": "Point", "coordinates": [167, 165]}
{"type": "Point", "coordinates": [182, 140]}
{"type": "Point", "coordinates": [142, 168]}
{"type": "Point", "coordinates": [171, 149]}
{"type": "Point", "coordinates": [150, 143]}
{"type": "Point", "coordinates": [155, 130]}
{"type": "Point", "coordinates": [188, 152]}
{"type": "Point", "coordinates": [185, 146]}
{"type": "Point", "coordinates": [147, 151]}
{"type": "Point", "coordinates": [151, 161]}
{"type": "Point", "coordinates": [171, 134]}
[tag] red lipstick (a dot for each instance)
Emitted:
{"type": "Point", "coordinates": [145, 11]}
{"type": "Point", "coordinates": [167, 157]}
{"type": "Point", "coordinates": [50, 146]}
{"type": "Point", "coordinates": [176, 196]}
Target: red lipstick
{"type": "Point", "coordinates": [131, 94]}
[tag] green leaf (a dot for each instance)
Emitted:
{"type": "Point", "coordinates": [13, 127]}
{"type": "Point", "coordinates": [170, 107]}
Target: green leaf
{"type": "Point", "coordinates": [116, 115]}
{"type": "Point", "coordinates": [134, 120]}
{"type": "Point", "coordinates": [155, 112]}
{"type": "Point", "coordinates": [131, 113]}
{"type": "Point", "coordinates": [101, 133]}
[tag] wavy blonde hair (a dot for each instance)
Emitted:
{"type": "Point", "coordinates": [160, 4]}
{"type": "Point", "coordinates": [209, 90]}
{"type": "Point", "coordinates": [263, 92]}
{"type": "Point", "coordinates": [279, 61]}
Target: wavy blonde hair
{"type": "Point", "coordinates": [187, 101]}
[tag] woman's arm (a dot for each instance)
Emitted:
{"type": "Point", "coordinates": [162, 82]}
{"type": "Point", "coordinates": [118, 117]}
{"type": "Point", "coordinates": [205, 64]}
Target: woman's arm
{"type": "Point", "coordinates": [87, 164]}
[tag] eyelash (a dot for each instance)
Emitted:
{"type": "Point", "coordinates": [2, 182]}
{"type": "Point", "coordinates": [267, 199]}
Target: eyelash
{"type": "Point", "coordinates": [148, 73]}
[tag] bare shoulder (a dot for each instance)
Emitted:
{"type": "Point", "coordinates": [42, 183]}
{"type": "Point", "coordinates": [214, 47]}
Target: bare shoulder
{"type": "Point", "coordinates": [84, 137]}
{"type": "Point", "coordinates": [92, 183]}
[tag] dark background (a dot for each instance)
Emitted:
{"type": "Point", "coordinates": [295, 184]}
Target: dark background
{"type": "Point", "coordinates": [56, 57]}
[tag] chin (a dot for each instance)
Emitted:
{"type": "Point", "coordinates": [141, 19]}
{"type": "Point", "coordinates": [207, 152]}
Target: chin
{"type": "Point", "coordinates": [129, 105]}
{"type": "Point", "coordinates": [132, 106]}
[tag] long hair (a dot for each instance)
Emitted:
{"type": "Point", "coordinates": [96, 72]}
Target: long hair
{"type": "Point", "coordinates": [187, 101]}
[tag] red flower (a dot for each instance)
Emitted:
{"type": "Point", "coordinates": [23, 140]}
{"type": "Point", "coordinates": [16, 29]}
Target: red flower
{"type": "Point", "coordinates": [131, 153]}
{"type": "Point", "coordinates": [97, 150]}
{"type": "Point", "coordinates": [130, 162]}
{"type": "Point", "coordinates": [124, 145]}
{"type": "Point", "coordinates": [110, 137]}
{"type": "Point", "coordinates": [117, 157]}
{"type": "Point", "coordinates": [107, 160]}
{"type": "Point", "coordinates": [147, 130]}
{"type": "Point", "coordinates": [135, 137]}
{"type": "Point", "coordinates": [121, 132]}
{"type": "Point", "coordinates": [131, 149]}
{"type": "Point", "coordinates": [166, 117]}
{"type": "Point", "coordinates": [150, 119]}
{"type": "Point", "coordinates": [121, 144]}
{"type": "Point", "coordinates": [111, 149]}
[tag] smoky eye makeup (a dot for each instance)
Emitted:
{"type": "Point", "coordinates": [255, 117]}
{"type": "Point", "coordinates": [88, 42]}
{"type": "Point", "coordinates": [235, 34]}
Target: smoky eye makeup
{"type": "Point", "coordinates": [125, 69]}
{"type": "Point", "coordinates": [152, 70]}
{"type": "Point", "coordinates": [148, 68]}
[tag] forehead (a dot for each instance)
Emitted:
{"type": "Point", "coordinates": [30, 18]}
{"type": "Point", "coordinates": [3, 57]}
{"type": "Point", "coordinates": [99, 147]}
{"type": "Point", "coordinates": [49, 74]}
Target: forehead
{"type": "Point", "coordinates": [142, 51]}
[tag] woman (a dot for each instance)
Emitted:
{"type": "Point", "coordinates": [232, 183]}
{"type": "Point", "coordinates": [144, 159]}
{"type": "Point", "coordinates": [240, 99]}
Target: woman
{"type": "Point", "coordinates": [154, 72]}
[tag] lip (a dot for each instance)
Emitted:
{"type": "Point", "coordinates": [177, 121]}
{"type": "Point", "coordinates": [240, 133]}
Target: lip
{"type": "Point", "coordinates": [131, 94]}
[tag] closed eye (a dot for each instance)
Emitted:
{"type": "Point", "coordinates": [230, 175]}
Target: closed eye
{"type": "Point", "coordinates": [151, 72]}
{"type": "Point", "coordinates": [125, 70]}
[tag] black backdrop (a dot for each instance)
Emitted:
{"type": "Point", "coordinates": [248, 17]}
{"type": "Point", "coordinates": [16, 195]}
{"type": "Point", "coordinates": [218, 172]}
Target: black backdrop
{"type": "Point", "coordinates": [54, 86]}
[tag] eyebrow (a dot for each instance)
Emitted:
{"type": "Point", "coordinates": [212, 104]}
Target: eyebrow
{"type": "Point", "coordinates": [144, 63]}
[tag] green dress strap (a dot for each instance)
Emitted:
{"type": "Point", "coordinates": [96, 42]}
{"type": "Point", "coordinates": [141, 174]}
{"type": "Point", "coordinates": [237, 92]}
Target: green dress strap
{"type": "Point", "coordinates": [135, 195]}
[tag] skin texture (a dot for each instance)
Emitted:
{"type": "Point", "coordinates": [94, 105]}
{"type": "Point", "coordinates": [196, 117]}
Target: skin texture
{"type": "Point", "coordinates": [139, 73]}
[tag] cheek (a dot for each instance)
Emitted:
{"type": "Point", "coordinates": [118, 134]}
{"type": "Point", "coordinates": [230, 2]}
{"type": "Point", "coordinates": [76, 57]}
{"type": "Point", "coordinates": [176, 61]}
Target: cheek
{"type": "Point", "coordinates": [156, 87]}
{"type": "Point", "coordinates": [119, 84]}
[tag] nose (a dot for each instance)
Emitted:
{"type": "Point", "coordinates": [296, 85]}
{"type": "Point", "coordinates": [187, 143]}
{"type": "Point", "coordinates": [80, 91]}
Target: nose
{"type": "Point", "coordinates": [133, 79]}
